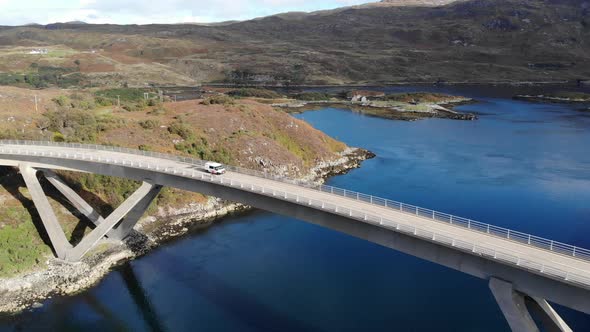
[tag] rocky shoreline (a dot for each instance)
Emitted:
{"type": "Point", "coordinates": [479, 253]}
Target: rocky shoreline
{"type": "Point", "coordinates": [551, 99]}
{"type": "Point", "coordinates": [60, 278]}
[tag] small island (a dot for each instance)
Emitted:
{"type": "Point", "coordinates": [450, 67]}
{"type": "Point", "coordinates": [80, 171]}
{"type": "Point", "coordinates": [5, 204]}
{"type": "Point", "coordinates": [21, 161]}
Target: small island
{"type": "Point", "coordinates": [407, 106]}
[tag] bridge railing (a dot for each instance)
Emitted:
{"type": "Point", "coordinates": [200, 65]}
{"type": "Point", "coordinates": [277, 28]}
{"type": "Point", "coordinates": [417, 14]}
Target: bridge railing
{"type": "Point", "coordinates": [107, 148]}
{"type": "Point", "coordinates": [550, 268]}
{"type": "Point", "coordinates": [524, 238]}
{"type": "Point", "coordinates": [527, 239]}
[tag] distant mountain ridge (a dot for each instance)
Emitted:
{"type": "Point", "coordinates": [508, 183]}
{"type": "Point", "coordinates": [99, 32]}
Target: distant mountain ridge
{"type": "Point", "coordinates": [425, 3]}
{"type": "Point", "coordinates": [386, 42]}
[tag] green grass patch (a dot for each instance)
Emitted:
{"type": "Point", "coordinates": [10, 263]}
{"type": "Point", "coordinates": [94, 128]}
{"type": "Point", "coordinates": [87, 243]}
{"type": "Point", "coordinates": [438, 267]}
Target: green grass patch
{"type": "Point", "coordinates": [12, 79]}
{"type": "Point", "coordinates": [287, 142]}
{"type": "Point", "coordinates": [59, 53]}
{"type": "Point", "coordinates": [313, 96]}
{"type": "Point", "coordinates": [334, 145]}
{"type": "Point", "coordinates": [256, 93]}
{"type": "Point", "coordinates": [125, 94]}
{"type": "Point", "coordinates": [21, 248]}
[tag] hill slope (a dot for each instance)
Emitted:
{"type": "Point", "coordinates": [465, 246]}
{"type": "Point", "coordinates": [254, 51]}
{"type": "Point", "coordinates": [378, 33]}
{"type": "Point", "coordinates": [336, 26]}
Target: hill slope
{"type": "Point", "coordinates": [474, 40]}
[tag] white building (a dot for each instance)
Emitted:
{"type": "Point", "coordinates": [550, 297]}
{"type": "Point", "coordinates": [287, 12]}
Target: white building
{"type": "Point", "coordinates": [39, 51]}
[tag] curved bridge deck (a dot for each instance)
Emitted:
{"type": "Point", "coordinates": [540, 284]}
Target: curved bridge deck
{"type": "Point", "coordinates": [549, 259]}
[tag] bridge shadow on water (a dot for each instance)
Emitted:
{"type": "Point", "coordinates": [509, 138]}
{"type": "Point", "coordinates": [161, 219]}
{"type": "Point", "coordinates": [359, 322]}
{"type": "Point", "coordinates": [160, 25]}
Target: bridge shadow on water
{"type": "Point", "coordinates": [62, 314]}
{"type": "Point", "coordinates": [240, 305]}
{"type": "Point", "coordinates": [140, 298]}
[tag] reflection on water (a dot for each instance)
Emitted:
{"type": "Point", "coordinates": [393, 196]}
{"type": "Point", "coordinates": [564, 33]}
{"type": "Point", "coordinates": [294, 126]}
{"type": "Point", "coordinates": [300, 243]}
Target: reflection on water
{"type": "Point", "coordinates": [522, 165]}
{"type": "Point", "coordinates": [140, 298]}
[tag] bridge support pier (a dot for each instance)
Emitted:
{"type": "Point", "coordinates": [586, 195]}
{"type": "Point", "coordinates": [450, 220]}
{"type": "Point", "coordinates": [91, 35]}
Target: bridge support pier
{"type": "Point", "coordinates": [58, 239]}
{"type": "Point", "coordinates": [78, 202]}
{"type": "Point", "coordinates": [114, 225]}
{"type": "Point", "coordinates": [514, 307]}
{"type": "Point", "coordinates": [125, 227]}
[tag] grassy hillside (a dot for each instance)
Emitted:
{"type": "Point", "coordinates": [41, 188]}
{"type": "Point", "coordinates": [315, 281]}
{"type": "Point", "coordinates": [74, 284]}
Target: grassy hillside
{"type": "Point", "coordinates": [473, 40]}
{"type": "Point", "coordinates": [233, 131]}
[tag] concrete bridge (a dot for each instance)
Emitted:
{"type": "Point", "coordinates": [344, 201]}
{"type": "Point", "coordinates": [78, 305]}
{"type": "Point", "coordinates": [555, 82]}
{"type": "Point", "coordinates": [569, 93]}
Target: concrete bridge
{"type": "Point", "coordinates": [524, 271]}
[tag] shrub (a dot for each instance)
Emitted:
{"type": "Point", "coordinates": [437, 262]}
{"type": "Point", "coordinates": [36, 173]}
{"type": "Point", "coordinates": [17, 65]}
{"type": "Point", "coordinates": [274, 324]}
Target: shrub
{"type": "Point", "coordinates": [135, 107]}
{"type": "Point", "coordinates": [153, 102]}
{"type": "Point", "coordinates": [103, 101]}
{"type": "Point", "coordinates": [58, 137]}
{"type": "Point", "coordinates": [181, 129]}
{"type": "Point", "coordinates": [85, 104]}
{"type": "Point", "coordinates": [73, 125]}
{"type": "Point", "coordinates": [157, 111]}
{"type": "Point", "coordinates": [200, 148]}
{"type": "Point", "coordinates": [149, 124]}
{"type": "Point", "coordinates": [107, 121]}
{"type": "Point", "coordinates": [219, 100]}
{"type": "Point", "coordinates": [62, 101]}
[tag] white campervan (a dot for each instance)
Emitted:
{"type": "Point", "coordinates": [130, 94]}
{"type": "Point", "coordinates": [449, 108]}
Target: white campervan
{"type": "Point", "coordinates": [214, 168]}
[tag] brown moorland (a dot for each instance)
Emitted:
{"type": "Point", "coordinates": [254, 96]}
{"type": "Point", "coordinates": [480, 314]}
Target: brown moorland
{"type": "Point", "coordinates": [386, 42]}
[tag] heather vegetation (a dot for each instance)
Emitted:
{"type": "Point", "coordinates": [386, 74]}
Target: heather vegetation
{"type": "Point", "coordinates": [224, 129]}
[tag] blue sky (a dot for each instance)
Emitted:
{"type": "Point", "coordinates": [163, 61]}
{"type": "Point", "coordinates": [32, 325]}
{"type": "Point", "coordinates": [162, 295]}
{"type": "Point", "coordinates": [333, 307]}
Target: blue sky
{"type": "Point", "coordinates": [17, 12]}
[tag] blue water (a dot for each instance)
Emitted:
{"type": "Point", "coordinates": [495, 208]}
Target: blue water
{"type": "Point", "coordinates": [522, 165]}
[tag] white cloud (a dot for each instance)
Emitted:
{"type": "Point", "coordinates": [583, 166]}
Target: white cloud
{"type": "Point", "coordinates": [13, 12]}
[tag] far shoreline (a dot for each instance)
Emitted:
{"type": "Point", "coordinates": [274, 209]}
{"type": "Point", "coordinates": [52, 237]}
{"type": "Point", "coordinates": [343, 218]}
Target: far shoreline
{"type": "Point", "coordinates": [567, 83]}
